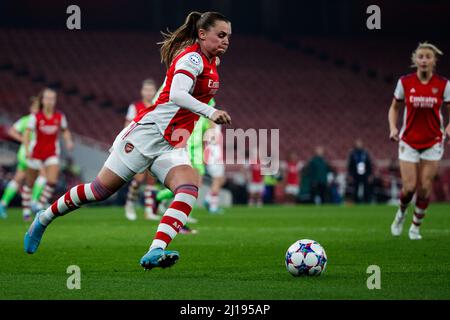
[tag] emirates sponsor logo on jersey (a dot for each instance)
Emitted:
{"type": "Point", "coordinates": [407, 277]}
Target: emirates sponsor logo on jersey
{"type": "Point", "coordinates": [49, 129]}
{"type": "Point", "coordinates": [128, 147]}
{"type": "Point", "coordinates": [213, 84]}
{"type": "Point", "coordinates": [423, 102]}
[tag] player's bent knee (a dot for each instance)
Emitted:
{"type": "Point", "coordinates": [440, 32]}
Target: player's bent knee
{"type": "Point", "coordinates": [182, 175]}
{"type": "Point", "coordinates": [100, 191]}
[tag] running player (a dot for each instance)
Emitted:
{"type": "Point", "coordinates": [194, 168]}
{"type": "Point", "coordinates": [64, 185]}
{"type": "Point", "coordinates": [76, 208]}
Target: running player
{"type": "Point", "coordinates": [148, 92]}
{"type": "Point", "coordinates": [16, 132]}
{"type": "Point", "coordinates": [156, 138]}
{"type": "Point", "coordinates": [42, 149]}
{"type": "Point", "coordinates": [421, 139]}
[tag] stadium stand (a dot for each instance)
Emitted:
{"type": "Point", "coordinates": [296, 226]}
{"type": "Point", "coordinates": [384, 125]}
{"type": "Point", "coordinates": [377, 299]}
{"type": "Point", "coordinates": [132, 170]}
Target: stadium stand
{"type": "Point", "coordinates": [323, 95]}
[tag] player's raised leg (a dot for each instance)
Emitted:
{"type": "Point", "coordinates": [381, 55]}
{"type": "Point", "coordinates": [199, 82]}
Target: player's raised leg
{"type": "Point", "coordinates": [409, 182]}
{"type": "Point", "coordinates": [105, 184]}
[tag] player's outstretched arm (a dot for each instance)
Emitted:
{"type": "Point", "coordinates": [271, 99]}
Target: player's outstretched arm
{"type": "Point", "coordinates": [179, 94]}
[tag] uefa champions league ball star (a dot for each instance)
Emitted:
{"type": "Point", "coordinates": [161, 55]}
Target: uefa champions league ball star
{"type": "Point", "coordinates": [306, 258]}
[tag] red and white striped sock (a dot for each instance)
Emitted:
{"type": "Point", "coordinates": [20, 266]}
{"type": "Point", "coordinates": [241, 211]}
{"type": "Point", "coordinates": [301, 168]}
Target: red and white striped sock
{"type": "Point", "coordinates": [133, 191]}
{"type": "Point", "coordinates": [175, 216]}
{"type": "Point", "coordinates": [149, 200]}
{"type": "Point", "coordinates": [47, 193]}
{"type": "Point", "coordinates": [405, 199]}
{"type": "Point", "coordinates": [74, 199]}
{"type": "Point", "coordinates": [26, 200]}
{"type": "Point", "coordinates": [420, 210]}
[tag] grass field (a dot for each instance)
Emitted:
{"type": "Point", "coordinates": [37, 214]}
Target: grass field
{"type": "Point", "coordinates": [238, 255]}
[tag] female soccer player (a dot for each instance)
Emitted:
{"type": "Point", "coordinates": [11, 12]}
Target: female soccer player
{"type": "Point", "coordinates": [43, 149]}
{"type": "Point", "coordinates": [156, 138]}
{"type": "Point", "coordinates": [421, 139]}
{"type": "Point", "coordinates": [16, 132]}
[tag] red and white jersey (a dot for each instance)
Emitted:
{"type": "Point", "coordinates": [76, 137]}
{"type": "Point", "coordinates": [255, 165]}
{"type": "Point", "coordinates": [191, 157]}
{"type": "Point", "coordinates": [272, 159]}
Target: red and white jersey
{"type": "Point", "coordinates": [292, 172]}
{"type": "Point", "coordinates": [255, 170]}
{"type": "Point", "coordinates": [45, 143]}
{"type": "Point", "coordinates": [214, 147]}
{"type": "Point", "coordinates": [168, 116]}
{"type": "Point", "coordinates": [423, 124]}
{"type": "Point", "coordinates": [134, 109]}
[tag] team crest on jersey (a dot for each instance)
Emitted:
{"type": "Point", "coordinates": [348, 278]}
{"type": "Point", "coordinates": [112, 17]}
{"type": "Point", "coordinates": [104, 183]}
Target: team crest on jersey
{"type": "Point", "coordinates": [195, 58]}
{"type": "Point", "coordinates": [412, 90]}
{"type": "Point", "coordinates": [128, 147]}
{"type": "Point", "coordinates": [434, 90]}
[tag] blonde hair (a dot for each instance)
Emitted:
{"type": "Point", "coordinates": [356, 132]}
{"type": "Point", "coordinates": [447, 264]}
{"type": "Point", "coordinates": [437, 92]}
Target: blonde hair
{"type": "Point", "coordinates": [425, 45]}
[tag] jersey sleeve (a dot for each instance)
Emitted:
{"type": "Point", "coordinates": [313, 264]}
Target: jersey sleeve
{"type": "Point", "coordinates": [447, 92]}
{"type": "Point", "coordinates": [131, 113]}
{"type": "Point", "coordinates": [191, 64]}
{"type": "Point", "coordinates": [399, 93]}
{"type": "Point", "coordinates": [32, 122]}
{"type": "Point", "coordinates": [64, 124]}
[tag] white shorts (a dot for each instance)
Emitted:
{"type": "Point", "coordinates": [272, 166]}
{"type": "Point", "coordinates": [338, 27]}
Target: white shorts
{"type": "Point", "coordinates": [291, 189]}
{"type": "Point", "coordinates": [216, 170]}
{"type": "Point", "coordinates": [141, 147]}
{"type": "Point", "coordinates": [408, 153]}
{"type": "Point", "coordinates": [37, 164]}
{"type": "Point", "coordinates": [255, 187]}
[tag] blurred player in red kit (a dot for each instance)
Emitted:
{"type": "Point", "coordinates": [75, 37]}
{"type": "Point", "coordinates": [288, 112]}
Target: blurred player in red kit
{"type": "Point", "coordinates": [42, 149]}
{"type": "Point", "coordinates": [421, 138]}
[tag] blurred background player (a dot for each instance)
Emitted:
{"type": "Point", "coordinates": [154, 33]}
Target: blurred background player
{"type": "Point", "coordinates": [421, 139]}
{"type": "Point", "coordinates": [156, 138]}
{"type": "Point", "coordinates": [148, 94]}
{"type": "Point", "coordinates": [255, 186]}
{"type": "Point", "coordinates": [359, 172]}
{"type": "Point", "coordinates": [16, 132]}
{"type": "Point", "coordinates": [292, 176]}
{"type": "Point", "coordinates": [42, 148]}
{"type": "Point", "coordinates": [215, 167]}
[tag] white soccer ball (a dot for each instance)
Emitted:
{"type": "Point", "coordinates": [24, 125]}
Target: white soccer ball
{"type": "Point", "coordinates": [306, 258]}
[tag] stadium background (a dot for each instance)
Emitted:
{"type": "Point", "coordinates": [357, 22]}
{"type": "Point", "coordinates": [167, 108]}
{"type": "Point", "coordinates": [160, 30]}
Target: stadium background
{"type": "Point", "coordinates": [311, 69]}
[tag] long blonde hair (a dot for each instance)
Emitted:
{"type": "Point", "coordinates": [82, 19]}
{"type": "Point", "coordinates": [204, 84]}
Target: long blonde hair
{"type": "Point", "coordinates": [187, 34]}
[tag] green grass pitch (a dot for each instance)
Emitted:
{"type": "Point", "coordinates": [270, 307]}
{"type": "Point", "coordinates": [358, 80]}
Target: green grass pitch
{"type": "Point", "coordinates": [238, 255]}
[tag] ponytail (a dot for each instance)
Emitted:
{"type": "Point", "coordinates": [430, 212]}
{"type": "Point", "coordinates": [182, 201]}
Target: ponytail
{"type": "Point", "coordinates": [187, 34]}
{"type": "Point", "coordinates": [184, 36]}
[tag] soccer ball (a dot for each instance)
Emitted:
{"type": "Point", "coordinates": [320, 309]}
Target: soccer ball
{"type": "Point", "coordinates": [306, 258]}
